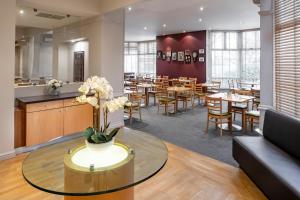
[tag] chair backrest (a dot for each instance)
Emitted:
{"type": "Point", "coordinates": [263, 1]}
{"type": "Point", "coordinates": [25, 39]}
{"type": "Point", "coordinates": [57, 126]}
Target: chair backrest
{"type": "Point", "coordinates": [217, 84]}
{"type": "Point", "coordinates": [283, 131]}
{"type": "Point", "coordinates": [165, 77]}
{"type": "Point", "coordinates": [214, 104]}
{"type": "Point", "coordinates": [166, 83]}
{"type": "Point", "coordinates": [183, 78]}
{"type": "Point", "coordinates": [198, 88]}
{"type": "Point", "coordinates": [244, 92]}
{"type": "Point", "coordinates": [134, 97]}
{"type": "Point", "coordinates": [255, 93]}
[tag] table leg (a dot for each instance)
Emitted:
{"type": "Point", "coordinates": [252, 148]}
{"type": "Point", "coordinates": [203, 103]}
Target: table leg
{"type": "Point", "coordinates": [176, 101]}
{"type": "Point", "coordinates": [147, 97]}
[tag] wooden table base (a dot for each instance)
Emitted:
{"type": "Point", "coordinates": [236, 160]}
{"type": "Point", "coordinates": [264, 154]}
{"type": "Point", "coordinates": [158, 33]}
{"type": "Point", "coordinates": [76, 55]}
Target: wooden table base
{"type": "Point", "coordinates": [127, 194]}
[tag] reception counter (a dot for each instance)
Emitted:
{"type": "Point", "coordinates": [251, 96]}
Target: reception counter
{"type": "Point", "coordinates": [39, 119]}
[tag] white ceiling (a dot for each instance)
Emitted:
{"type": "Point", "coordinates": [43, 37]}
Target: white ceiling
{"type": "Point", "coordinates": [180, 15]}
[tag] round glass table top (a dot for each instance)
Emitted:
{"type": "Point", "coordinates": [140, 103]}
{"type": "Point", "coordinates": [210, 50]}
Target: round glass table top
{"type": "Point", "coordinates": [50, 170]}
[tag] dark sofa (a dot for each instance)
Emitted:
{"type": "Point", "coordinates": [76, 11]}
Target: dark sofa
{"type": "Point", "coordinates": [272, 161]}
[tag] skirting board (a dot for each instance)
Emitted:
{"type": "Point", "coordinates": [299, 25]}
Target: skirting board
{"type": "Point", "coordinates": [8, 155]}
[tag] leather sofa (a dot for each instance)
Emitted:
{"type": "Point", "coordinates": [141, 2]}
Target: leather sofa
{"type": "Point", "coordinates": [272, 161]}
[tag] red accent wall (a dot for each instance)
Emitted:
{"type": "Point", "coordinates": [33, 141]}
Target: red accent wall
{"type": "Point", "coordinates": [181, 42]}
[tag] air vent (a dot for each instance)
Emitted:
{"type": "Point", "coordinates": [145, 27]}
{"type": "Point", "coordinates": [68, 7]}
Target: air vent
{"type": "Point", "coordinates": [50, 16]}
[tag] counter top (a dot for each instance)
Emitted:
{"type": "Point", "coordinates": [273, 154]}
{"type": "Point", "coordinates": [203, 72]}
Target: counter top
{"type": "Point", "coordinates": [44, 98]}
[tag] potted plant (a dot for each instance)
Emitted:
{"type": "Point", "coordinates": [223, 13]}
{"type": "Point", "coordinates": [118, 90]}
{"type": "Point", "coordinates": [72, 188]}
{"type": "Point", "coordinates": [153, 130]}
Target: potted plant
{"type": "Point", "coordinates": [99, 93]}
{"type": "Point", "coordinates": [53, 87]}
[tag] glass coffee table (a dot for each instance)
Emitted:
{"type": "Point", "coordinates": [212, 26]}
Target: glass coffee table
{"type": "Point", "coordinates": [51, 169]}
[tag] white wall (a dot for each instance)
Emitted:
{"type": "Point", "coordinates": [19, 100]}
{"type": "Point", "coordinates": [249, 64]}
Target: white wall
{"type": "Point", "coordinates": [7, 65]}
{"type": "Point", "coordinates": [266, 62]}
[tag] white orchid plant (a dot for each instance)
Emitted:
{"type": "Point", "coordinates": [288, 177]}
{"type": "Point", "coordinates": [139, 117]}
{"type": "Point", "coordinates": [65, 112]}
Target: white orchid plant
{"type": "Point", "coordinates": [93, 91]}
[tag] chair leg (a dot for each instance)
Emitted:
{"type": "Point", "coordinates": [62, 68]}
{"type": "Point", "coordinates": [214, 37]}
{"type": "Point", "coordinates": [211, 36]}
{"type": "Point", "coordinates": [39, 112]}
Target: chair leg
{"type": "Point", "coordinates": [158, 107]}
{"type": "Point", "coordinates": [221, 130]}
{"type": "Point", "coordinates": [207, 123]}
{"type": "Point", "coordinates": [130, 116]}
{"type": "Point", "coordinates": [154, 98]}
{"type": "Point", "coordinates": [251, 124]}
{"type": "Point", "coordinates": [166, 110]}
{"type": "Point", "coordinates": [230, 124]}
{"type": "Point", "coordinates": [140, 113]}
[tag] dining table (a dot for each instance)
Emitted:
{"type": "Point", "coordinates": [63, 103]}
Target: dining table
{"type": "Point", "coordinates": [176, 91]}
{"type": "Point", "coordinates": [146, 87]}
{"type": "Point", "coordinates": [231, 99]}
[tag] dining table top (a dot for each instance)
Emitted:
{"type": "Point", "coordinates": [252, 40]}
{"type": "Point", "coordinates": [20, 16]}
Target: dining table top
{"type": "Point", "coordinates": [210, 84]}
{"type": "Point", "coordinates": [146, 85]}
{"type": "Point", "coordinates": [236, 98]}
{"type": "Point", "coordinates": [178, 89]}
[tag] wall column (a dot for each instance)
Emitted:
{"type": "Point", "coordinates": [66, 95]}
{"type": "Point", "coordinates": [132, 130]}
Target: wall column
{"type": "Point", "coordinates": [7, 57]}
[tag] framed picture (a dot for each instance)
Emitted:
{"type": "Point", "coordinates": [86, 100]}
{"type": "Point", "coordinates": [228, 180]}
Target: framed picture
{"type": "Point", "coordinates": [174, 56]}
{"type": "Point", "coordinates": [163, 56]}
{"type": "Point", "coordinates": [169, 53]}
{"type": "Point", "coordinates": [195, 55]}
{"type": "Point", "coordinates": [201, 51]}
{"type": "Point", "coordinates": [188, 59]}
{"type": "Point", "coordinates": [201, 59]}
{"type": "Point", "coordinates": [159, 54]}
{"type": "Point", "coordinates": [168, 59]}
{"type": "Point", "coordinates": [180, 56]}
{"type": "Point", "coordinates": [187, 52]}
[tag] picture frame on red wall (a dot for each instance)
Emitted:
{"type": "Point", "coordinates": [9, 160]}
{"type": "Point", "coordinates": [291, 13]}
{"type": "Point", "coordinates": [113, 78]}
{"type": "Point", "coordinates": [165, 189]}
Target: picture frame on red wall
{"type": "Point", "coordinates": [201, 59]}
{"type": "Point", "coordinates": [201, 51]}
{"type": "Point", "coordinates": [174, 56]}
{"type": "Point", "coordinates": [188, 59]}
{"type": "Point", "coordinates": [164, 56]}
{"type": "Point", "coordinates": [159, 54]}
{"type": "Point", "coordinates": [180, 56]}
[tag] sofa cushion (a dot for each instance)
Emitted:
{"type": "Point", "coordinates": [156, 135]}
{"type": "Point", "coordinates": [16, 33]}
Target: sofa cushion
{"type": "Point", "coordinates": [274, 171]}
{"type": "Point", "coordinates": [283, 131]}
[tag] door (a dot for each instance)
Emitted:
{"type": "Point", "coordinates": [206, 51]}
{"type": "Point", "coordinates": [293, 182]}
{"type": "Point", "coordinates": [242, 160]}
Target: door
{"type": "Point", "coordinates": [78, 71]}
{"type": "Point", "coordinates": [77, 118]}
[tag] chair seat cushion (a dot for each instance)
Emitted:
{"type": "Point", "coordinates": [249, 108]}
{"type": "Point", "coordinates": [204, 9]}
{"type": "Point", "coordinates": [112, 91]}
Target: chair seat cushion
{"type": "Point", "coordinates": [254, 113]}
{"type": "Point", "coordinates": [216, 112]}
{"type": "Point", "coordinates": [131, 104]}
{"type": "Point", "coordinates": [240, 106]}
{"type": "Point", "coordinates": [275, 172]}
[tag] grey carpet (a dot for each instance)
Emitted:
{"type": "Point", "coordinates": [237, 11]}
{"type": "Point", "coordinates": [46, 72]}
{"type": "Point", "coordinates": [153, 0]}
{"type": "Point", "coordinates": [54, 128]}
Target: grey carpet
{"type": "Point", "coordinates": [186, 129]}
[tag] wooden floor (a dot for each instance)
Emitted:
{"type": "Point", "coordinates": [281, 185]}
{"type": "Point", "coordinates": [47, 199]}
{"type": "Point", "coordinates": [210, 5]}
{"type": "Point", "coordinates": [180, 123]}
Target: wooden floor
{"type": "Point", "coordinates": [186, 176]}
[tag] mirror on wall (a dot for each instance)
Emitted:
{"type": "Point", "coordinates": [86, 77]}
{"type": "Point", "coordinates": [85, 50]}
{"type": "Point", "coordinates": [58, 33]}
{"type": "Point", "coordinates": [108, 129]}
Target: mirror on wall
{"type": "Point", "coordinates": [49, 45]}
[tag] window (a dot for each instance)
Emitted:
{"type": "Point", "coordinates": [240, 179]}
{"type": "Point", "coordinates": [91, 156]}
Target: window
{"type": "Point", "coordinates": [235, 55]}
{"type": "Point", "coordinates": [287, 54]}
{"type": "Point", "coordinates": [140, 57]}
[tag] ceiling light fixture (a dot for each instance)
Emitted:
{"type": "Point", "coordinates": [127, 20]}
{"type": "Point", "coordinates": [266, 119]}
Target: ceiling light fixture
{"type": "Point", "coordinates": [21, 12]}
{"type": "Point", "coordinates": [129, 8]}
{"type": "Point", "coordinates": [164, 25]}
{"type": "Point", "coordinates": [145, 28]}
{"type": "Point", "coordinates": [200, 20]}
{"type": "Point", "coordinates": [201, 8]}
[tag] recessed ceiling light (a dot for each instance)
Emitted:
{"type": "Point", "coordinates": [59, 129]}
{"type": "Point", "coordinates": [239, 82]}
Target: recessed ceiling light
{"type": "Point", "coordinates": [200, 19]}
{"type": "Point", "coordinates": [164, 25]}
{"type": "Point", "coordinates": [129, 8]}
{"type": "Point", "coordinates": [21, 12]}
{"type": "Point", "coordinates": [145, 28]}
{"type": "Point", "coordinates": [201, 8]}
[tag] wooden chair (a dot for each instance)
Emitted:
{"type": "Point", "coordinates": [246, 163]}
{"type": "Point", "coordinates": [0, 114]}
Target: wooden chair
{"type": "Point", "coordinates": [216, 114]}
{"type": "Point", "coordinates": [214, 89]}
{"type": "Point", "coordinates": [241, 108]}
{"type": "Point", "coordinates": [182, 78]}
{"type": "Point", "coordinates": [165, 99]}
{"type": "Point", "coordinates": [186, 97]}
{"type": "Point", "coordinates": [256, 100]}
{"type": "Point", "coordinates": [155, 91]}
{"type": "Point", "coordinates": [252, 117]}
{"type": "Point", "coordinates": [199, 94]}
{"type": "Point", "coordinates": [165, 77]}
{"type": "Point", "coordinates": [193, 80]}
{"type": "Point", "coordinates": [133, 106]}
